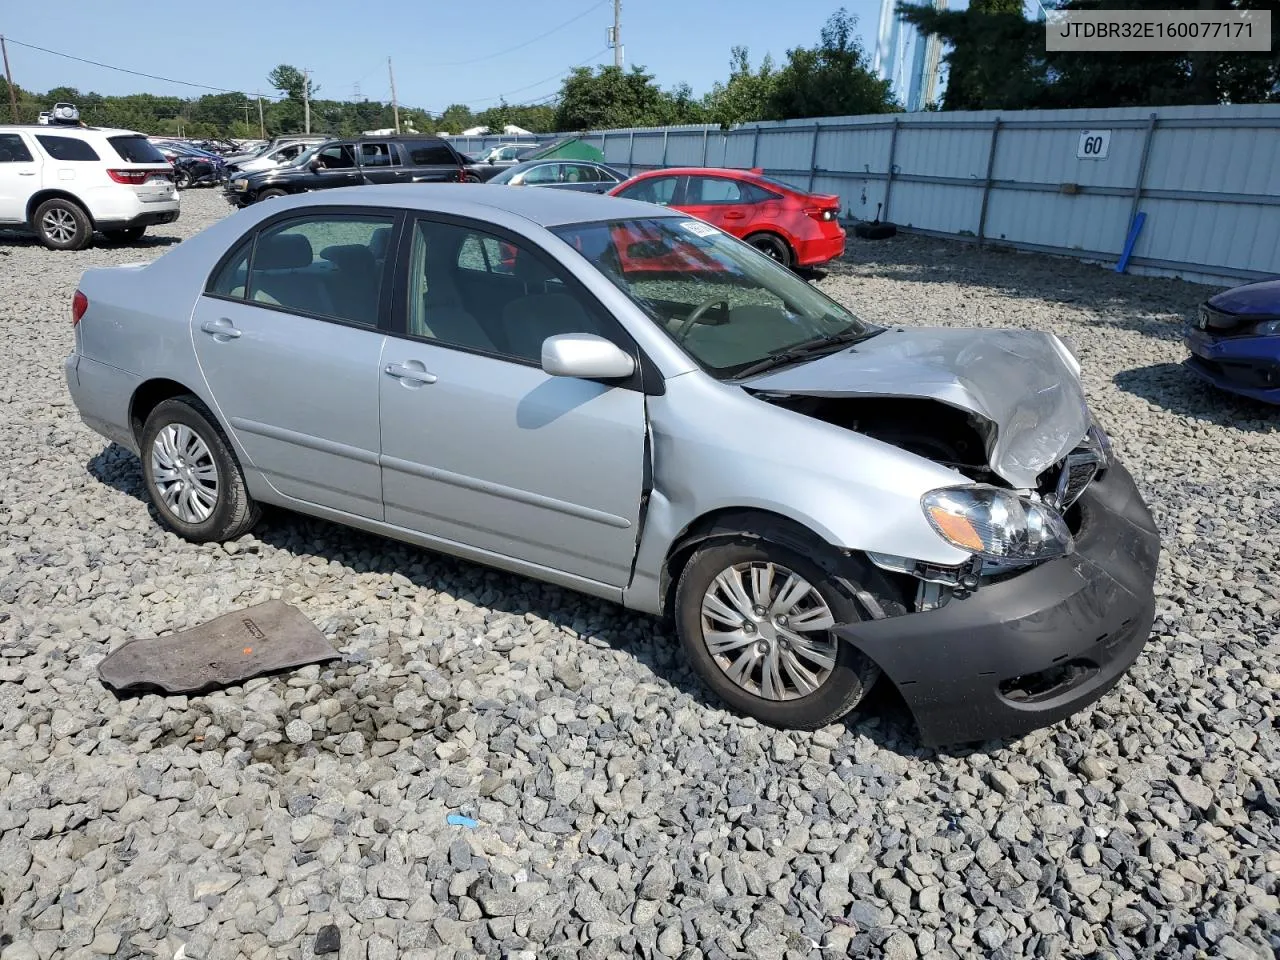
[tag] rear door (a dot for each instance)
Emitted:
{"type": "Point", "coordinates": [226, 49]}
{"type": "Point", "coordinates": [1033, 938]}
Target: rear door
{"type": "Point", "coordinates": [721, 201]}
{"type": "Point", "coordinates": [19, 176]}
{"type": "Point", "coordinates": [289, 337]}
{"type": "Point", "coordinates": [379, 162]}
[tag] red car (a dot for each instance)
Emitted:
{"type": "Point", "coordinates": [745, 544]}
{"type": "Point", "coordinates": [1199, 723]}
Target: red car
{"type": "Point", "coordinates": [797, 229]}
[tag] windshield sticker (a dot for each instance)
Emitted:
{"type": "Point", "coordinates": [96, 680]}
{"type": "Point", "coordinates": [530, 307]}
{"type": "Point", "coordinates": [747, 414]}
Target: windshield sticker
{"type": "Point", "coordinates": [698, 228]}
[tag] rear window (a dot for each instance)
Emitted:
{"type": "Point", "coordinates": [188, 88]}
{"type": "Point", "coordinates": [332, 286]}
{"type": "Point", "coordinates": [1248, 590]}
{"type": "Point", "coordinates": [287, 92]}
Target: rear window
{"type": "Point", "coordinates": [136, 150]}
{"type": "Point", "coordinates": [425, 153]}
{"type": "Point", "coordinates": [66, 148]}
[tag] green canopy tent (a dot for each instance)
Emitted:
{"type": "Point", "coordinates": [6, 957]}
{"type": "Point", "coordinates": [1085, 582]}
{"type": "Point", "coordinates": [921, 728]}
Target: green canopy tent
{"type": "Point", "coordinates": [568, 148]}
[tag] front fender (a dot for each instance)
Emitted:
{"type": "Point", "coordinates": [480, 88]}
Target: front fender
{"type": "Point", "coordinates": [715, 447]}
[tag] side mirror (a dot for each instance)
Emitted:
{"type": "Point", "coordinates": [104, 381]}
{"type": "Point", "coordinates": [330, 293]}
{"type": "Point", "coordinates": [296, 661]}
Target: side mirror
{"type": "Point", "coordinates": [314, 165]}
{"type": "Point", "coordinates": [491, 161]}
{"type": "Point", "coordinates": [585, 356]}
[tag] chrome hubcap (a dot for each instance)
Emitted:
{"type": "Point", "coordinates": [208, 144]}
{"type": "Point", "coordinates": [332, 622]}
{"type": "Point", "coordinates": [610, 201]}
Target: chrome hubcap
{"type": "Point", "coordinates": [184, 473]}
{"type": "Point", "coordinates": [769, 630]}
{"type": "Point", "coordinates": [59, 225]}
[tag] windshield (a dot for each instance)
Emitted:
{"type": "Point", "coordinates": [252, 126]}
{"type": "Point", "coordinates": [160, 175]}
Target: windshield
{"type": "Point", "coordinates": [729, 306]}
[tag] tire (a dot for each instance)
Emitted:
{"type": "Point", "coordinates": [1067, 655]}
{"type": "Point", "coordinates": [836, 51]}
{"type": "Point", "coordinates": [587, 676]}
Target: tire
{"type": "Point", "coordinates": [771, 245]}
{"type": "Point", "coordinates": [271, 193]}
{"type": "Point", "coordinates": [223, 513]}
{"type": "Point", "coordinates": [182, 179]}
{"type": "Point", "coordinates": [62, 225]}
{"type": "Point", "coordinates": [126, 235]}
{"type": "Point", "coordinates": [871, 230]}
{"type": "Point", "coordinates": [472, 178]}
{"type": "Point", "coordinates": [839, 688]}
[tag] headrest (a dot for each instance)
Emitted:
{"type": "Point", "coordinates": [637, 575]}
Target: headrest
{"type": "Point", "coordinates": [349, 256]}
{"type": "Point", "coordinates": [283, 251]}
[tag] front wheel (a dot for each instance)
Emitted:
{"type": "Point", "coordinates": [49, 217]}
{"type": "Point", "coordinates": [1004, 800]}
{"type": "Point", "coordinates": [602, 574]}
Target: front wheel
{"type": "Point", "coordinates": [755, 620]}
{"type": "Point", "coordinates": [192, 474]}
{"type": "Point", "coordinates": [271, 194]}
{"type": "Point", "coordinates": [182, 179]}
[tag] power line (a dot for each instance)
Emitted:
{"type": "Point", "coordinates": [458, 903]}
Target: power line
{"type": "Point", "coordinates": [538, 83]}
{"type": "Point", "coordinates": [136, 73]}
{"type": "Point", "coordinates": [518, 46]}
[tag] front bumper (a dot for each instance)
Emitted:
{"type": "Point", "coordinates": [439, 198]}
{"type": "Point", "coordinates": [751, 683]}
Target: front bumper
{"type": "Point", "coordinates": [1248, 366]}
{"type": "Point", "coordinates": [1031, 650]}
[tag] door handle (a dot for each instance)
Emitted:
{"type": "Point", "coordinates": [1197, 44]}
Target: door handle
{"type": "Point", "coordinates": [401, 372]}
{"type": "Point", "coordinates": [734, 215]}
{"type": "Point", "coordinates": [220, 328]}
{"type": "Point", "coordinates": [26, 173]}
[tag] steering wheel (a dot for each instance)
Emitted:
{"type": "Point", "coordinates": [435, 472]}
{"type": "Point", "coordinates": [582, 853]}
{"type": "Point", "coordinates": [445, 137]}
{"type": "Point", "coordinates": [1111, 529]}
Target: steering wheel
{"type": "Point", "coordinates": [697, 315]}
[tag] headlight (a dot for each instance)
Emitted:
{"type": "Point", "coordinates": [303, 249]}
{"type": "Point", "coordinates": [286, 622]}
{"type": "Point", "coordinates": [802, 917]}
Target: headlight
{"type": "Point", "coordinates": [240, 185]}
{"type": "Point", "coordinates": [1267, 328]}
{"type": "Point", "coordinates": [996, 523]}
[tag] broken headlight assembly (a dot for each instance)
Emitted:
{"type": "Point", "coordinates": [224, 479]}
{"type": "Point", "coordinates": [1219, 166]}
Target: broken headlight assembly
{"type": "Point", "coordinates": [997, 524]}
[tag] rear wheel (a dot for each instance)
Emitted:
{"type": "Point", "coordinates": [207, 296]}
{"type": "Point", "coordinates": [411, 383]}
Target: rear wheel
{"type": "Point", "coordinates": [62, 225]}
{"type": "Point", "coordinates": [755, 619]}
{"type": "Point", "coordinates": [192, 474]}
{"type": "Point", "coordinates": [772, 246]}
{"type": "Point", "coordinates": [125, 235]}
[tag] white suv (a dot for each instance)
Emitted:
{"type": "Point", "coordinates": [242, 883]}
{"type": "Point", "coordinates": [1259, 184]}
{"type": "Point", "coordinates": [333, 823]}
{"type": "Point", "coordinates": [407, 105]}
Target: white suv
{"type": "Point", "coordinates": [62, 183]}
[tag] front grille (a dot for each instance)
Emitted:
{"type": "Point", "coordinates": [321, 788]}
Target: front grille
{"type": "Point", "coordinates": [1220, 324]}
{"type": "Point", "coordinates": [1062, 485]}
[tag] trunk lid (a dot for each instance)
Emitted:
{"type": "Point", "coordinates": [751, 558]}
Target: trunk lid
{"type": "Point", "coordinates": [1021, 382]}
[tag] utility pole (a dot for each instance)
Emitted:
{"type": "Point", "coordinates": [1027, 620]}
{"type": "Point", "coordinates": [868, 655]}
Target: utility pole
{"type": "Point", "coordinates": [395, 106]}
{"type": "Point", "coordinates": [262, 127]}
{"type": "Point", "coordinates": [306, 99]}
{"type": "Point", "coordinates": [13, 94]}
{"type": "Point", "coordinates": [615, 37]}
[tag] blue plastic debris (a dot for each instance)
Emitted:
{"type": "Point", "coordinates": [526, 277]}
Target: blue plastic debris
{"type": "Point", "coordinates": [458, 820]}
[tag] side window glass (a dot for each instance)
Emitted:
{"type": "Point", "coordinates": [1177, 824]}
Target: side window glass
{"type": "Point", "coordinates": [658, 190]}
{"type": "Point", "coordinates": [323, 266]}
{"type": "Point", "coordinates": [714, 190]}
{"type": "Point", "coordinates": [338, 157]}
{"type": "Point", "coordinates": [471, 289]}
{"type": "Point", "coordinates": [543, 173]}
{"type": "Point", "coordinates": [13, 150]}
{"type": "Point", "coordinates": [230, 280]}
{"type": "Point", "coordinates": [375, 155]}
{"type": "Point", "coordinates": [67, 149]}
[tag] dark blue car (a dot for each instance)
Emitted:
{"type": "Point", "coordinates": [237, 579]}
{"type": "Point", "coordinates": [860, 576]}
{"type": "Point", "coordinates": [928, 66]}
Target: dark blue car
{"type": "Point", "coordinates": [1235, 341]}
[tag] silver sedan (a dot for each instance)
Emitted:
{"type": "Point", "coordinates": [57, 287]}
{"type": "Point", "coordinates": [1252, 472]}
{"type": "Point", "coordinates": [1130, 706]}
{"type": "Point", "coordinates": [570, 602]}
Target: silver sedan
{"type": "Point", "coordinates": [620, 399]}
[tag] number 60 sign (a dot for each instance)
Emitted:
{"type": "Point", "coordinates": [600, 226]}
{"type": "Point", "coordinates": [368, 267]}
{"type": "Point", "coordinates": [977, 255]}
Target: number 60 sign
{"type": "Point", "coordinates": [1093, 144]}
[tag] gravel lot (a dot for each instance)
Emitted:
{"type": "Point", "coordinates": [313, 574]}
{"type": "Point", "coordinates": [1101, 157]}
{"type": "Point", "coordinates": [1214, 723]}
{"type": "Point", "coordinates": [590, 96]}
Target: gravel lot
{"type": "Point", "coordinates": [620, 814]}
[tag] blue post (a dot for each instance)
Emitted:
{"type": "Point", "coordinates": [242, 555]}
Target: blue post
{"type": "Point", "coordinates": [1136, 228]}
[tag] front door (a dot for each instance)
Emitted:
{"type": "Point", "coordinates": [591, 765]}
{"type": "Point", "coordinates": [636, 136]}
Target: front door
{"type": "Point", "coordinates": [479, 445]}
{"type": "Point", "coordinates": [19, 177]}
{"type": "Point", "coordinates": [289, 343]}
{"type": "Point", "coordinates": [336, 167]}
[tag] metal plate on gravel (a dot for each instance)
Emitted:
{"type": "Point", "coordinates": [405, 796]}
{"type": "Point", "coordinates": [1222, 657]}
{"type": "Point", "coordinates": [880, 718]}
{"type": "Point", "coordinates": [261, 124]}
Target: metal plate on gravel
{"type": "Point", "coordinates": [229, 649]}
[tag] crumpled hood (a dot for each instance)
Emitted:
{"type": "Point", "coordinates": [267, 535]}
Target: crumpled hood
{"type": "Point", "coordinates": [1021, 382]}
{"type": "Point", "coordinates": [1252, 298]}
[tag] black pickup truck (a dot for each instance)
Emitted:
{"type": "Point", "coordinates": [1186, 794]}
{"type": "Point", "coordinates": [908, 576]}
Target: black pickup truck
{"type": "Point", "coordinates": [411, 158]}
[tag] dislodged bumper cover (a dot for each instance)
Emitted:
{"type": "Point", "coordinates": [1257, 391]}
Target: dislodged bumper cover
{"type": "Point", "coordinates": [1031, 650]}
{"type": "Point", "coordinates": [1019, 381]}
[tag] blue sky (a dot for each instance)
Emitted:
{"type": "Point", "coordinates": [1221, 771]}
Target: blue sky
{"type": "Point", "coordinates": [346, 43]}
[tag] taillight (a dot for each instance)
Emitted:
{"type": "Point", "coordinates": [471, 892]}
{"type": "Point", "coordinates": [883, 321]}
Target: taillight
{"type": "Point", "coordinates": [79, 304]}
{"type": "Point", "coordinates": [462, 174]}
{"type": "Point", "coordinates": [134, 177]}
{"type": "Point", "coordinates": [822, 213]}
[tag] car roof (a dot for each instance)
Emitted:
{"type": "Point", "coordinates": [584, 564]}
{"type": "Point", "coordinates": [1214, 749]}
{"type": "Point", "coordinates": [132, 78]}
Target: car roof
{"type": "Point", "coordinates": [64, 128]}
{"type": "Point", "coordinates": [547, 208]}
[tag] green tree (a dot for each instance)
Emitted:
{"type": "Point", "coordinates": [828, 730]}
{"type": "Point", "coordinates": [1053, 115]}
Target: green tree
{"type": "Point", "coordinates": [831, 79]}
{"type": "Point", "coordinates": [292, 82]}
{"type": "Point", "coordinates": [456, 118]}
{"type": "Point", "coordinates": [746, 94]}
{"type": "Point", "coordinates": [609, 97]}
